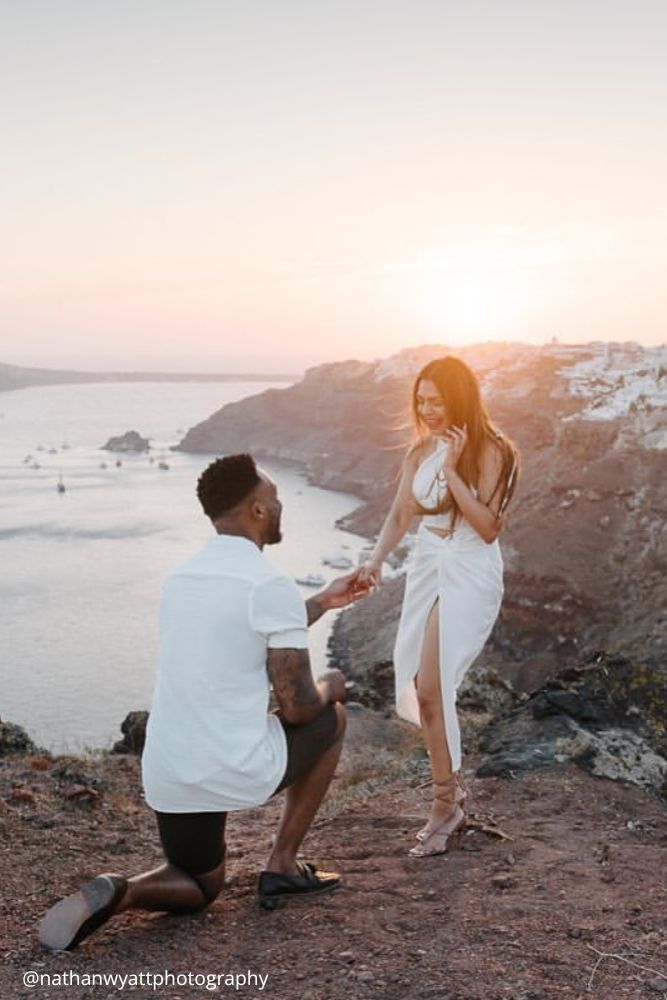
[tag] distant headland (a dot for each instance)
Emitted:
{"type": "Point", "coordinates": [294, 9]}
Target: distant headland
{"type": "Point", "coordinates": [17, 377]}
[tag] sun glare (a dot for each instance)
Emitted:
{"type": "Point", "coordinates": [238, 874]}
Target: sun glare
{"type": "Point", "coordinates": [478, 292]}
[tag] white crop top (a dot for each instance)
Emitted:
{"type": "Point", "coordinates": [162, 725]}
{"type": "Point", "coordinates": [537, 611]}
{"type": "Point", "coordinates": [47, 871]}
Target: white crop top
{"type": "Point", "coordinates": [430, 485]}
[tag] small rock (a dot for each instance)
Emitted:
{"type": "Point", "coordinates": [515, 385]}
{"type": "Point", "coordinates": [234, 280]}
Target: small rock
{"type": "Point", "coordinates": [583, 933]}
{"type": "Point", "coordinates": [133, 728]}
{"type": "Point", "coordinates": [42, 822]}
{"type": "Point", "coordinates": [39, 763]}
{"type": "Point", "coordinates": [365, 977]}
{"type": "Point", "coordinates": [658, 984]}
{"type": "Point", "coordinates": [22, 794]}
{"type": "Point", "coordinates": [130, 441]}
{"type": "Point", "coordinates": [347, 956]}
{"type": "Point", "coordinates": [503, 881]}
{"type": "Point", "coordinates": [81, 792]}
{"type": "Point", "coordinates": [605, 854]}
{"type": "Point", "coordinates": [14, 739]}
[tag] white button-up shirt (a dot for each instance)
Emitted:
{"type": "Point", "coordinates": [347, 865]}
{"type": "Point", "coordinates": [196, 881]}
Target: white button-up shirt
{"type": "Point", "coordinates": [211, 745]}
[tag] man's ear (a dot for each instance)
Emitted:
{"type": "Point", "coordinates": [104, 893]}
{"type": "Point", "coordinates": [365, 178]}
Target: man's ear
{"type": "Point", "coordinates": [258, 509]}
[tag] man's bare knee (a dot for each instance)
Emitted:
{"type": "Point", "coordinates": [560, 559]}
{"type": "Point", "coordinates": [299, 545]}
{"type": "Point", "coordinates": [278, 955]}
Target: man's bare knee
{"type": "Point", "coordinates": [211, 883]}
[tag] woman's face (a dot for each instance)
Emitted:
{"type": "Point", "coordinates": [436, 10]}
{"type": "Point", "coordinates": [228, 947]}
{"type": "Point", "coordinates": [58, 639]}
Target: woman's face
{"type": "Point", "coordinates": [431, 407]}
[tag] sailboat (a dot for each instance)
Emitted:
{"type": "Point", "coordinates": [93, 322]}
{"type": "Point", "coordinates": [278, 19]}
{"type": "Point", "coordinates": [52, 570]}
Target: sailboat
{"type": "Point", "coordinates": [60, 485]}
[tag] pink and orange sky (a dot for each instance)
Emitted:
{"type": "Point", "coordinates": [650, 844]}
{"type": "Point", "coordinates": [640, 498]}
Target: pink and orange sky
{"type": "Point", "coordinates": [234, 185]}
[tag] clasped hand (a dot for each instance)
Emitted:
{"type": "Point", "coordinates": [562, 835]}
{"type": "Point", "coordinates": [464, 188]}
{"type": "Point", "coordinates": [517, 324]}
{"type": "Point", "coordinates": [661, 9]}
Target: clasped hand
{"type": "Point", "coordinates": [344, 590]}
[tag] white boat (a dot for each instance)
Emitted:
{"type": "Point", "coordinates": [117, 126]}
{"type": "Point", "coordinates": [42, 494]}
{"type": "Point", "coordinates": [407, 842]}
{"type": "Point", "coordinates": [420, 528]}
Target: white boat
{"type": "Point", "coordinates": [311, 580]}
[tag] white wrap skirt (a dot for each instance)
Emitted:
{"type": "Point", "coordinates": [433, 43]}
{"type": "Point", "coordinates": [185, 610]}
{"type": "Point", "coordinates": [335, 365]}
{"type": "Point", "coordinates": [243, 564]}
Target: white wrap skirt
{"type": "Point", "coordinates": [464, 575]}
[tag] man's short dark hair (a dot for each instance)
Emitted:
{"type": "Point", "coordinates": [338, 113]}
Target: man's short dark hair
{"type": "Point", "coordinates": [226, 482]}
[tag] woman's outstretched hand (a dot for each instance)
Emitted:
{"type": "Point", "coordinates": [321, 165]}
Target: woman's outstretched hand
{"type": "Point", "coordinates": [370, 573]}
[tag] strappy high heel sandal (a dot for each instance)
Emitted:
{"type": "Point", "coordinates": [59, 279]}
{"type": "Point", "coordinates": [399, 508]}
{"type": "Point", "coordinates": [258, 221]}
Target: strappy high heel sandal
{"type": "Point", "coordinates": [443, 794]}
{"type": "Point", "coordinates": [443, 837]}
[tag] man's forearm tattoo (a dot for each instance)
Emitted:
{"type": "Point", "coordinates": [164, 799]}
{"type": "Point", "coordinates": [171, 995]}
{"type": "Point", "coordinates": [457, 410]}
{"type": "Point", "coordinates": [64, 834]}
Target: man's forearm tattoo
{"type": "Point", "coordinates": [290, 673]}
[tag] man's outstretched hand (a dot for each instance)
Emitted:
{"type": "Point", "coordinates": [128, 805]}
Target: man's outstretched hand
{"type": "Point", "coordinates": [342, 591]}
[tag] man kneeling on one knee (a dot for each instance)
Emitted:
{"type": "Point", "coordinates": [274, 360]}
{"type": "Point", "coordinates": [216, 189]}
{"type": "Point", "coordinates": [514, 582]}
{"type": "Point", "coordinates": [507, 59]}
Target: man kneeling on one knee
{"type": "Point", "coordinates": [230, 624]}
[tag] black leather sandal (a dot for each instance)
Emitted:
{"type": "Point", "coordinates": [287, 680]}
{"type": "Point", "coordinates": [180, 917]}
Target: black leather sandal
{"type": "Point", "coordinates": [71, 920]}
{"type": "Point", "coordinates": [275, 888]}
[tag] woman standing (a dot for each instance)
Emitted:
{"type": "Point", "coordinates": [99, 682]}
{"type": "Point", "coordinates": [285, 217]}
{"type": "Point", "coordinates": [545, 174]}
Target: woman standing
{"type": "Point", "coordinates": [458, 478]}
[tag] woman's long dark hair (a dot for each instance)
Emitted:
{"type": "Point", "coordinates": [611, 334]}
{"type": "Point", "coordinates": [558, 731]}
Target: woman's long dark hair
{"type": "Point", "coordinates": [459, 390]}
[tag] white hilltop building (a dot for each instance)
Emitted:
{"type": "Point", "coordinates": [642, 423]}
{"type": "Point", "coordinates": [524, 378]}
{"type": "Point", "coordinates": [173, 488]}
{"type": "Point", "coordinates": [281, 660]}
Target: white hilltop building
{"type": "Point", "coordinates": [619, 379]}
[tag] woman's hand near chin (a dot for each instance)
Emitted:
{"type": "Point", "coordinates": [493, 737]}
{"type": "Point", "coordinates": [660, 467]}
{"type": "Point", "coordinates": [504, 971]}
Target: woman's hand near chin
{"type": "Point", "coordinates": [456, 439]}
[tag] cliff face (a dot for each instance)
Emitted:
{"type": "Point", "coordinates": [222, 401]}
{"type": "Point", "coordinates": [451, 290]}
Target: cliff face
{"type": "Point", "coordinates": [340, 422]}
{"type": "Point", "coordinates": [585, 546]}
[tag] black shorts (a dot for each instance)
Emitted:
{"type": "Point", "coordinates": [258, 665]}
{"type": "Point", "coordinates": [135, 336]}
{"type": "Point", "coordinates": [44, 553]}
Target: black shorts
{"type": "Point", "coordinates": [195, 842]}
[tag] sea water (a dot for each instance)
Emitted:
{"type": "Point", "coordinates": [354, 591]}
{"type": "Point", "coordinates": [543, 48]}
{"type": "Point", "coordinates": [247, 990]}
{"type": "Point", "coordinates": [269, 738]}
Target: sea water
{"type": "Point", "coordinates": [81, 570]}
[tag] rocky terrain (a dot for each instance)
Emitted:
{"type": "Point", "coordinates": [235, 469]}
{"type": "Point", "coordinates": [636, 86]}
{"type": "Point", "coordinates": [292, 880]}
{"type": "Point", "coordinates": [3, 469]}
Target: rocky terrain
{"type": "Point", "coordinates": [553, 894]}
{"type": "Point", "coordinates": [586, 543]}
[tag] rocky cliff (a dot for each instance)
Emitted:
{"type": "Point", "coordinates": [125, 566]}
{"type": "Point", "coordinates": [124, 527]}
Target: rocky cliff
{"type": "Point", "coordinates": [586, 545]}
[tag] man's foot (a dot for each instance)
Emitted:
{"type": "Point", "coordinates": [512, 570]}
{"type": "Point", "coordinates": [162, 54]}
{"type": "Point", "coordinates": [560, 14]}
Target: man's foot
{"type": "Point", "coordinates": [275, 888]}
{"type": "Point", "coordinates": [71, 920]}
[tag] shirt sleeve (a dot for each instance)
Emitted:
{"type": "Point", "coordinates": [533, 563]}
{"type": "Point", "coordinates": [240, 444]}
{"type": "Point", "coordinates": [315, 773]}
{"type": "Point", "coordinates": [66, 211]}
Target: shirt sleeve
{"type": "Point", "coordinates": [278, 612]}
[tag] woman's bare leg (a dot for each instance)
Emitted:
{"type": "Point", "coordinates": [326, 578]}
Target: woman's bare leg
{"type": "Point", "coordinates": [429, 694]}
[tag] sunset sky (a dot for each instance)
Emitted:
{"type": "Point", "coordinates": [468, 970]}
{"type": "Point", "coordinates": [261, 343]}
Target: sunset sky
{"type": "Point", "coordinates": [266, 184]}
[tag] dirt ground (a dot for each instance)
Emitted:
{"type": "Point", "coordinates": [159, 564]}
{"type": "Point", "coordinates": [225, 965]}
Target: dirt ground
{"type": "Point", "coordinates": [572, 905]}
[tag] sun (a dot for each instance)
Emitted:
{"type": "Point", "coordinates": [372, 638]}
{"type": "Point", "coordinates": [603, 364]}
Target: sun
{"type": "Point", "coordinates": [474, 292]}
